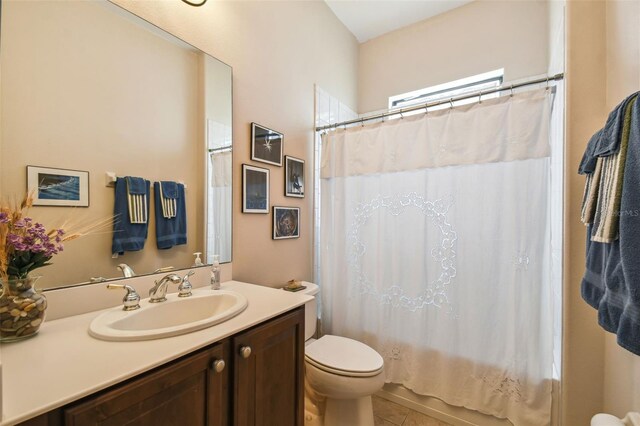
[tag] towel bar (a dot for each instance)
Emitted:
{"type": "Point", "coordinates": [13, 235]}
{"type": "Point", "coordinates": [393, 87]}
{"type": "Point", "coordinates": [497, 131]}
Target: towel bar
{"type": "Point", "coordinates": [110, 180]}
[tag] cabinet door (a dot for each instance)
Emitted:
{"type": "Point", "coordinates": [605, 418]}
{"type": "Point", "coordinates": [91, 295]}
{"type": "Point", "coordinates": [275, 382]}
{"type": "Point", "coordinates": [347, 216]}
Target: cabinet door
{"type": "Point", "coordinates": [269, 382]}
{"type": "Point", "coordinates": [187, 392]}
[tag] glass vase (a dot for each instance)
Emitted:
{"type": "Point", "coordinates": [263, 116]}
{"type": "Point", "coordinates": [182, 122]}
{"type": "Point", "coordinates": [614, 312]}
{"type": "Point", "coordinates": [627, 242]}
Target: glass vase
{"type": "Point", "coordinates": [22, 309]}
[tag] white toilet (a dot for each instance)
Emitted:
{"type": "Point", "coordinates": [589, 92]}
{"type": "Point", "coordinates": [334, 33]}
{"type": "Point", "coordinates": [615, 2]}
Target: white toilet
{"type": "Point", "coordinates": [341, 374]}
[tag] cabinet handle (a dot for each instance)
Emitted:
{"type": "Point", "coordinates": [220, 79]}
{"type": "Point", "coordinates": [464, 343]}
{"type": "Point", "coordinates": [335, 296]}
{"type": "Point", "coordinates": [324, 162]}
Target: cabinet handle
{"type": "Point", "coordinates": [218, 365]}
{"type": "Point", "coordinates": [245, 351]}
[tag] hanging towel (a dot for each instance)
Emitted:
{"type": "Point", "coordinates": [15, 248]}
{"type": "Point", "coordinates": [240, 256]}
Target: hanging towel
{"type": "Point", "coordinates": [170, 231]}
{"type": "Point", "coordinates": [607, 213]}
{"type": "Point", "coordinates": [137, 195]}
{"type": "Point", "coordinates": [607, 140]}
{"type": "Point", "coordinates": [168, 199]}
{"type": "Point", "coordinates": [611, 282]}
{"type": "Point", "coordinates": [128, 236]}
{"type": "Point", "coordinates": [603, 162]}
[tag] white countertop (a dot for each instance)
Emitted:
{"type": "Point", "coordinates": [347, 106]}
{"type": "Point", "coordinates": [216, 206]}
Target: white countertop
{"type": "Point", "coordinates": [62, 363]}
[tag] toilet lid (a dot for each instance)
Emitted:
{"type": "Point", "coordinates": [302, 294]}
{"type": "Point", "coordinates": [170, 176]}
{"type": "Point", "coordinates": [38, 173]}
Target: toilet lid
{"type": "Point", "coordinates": [344, 356]}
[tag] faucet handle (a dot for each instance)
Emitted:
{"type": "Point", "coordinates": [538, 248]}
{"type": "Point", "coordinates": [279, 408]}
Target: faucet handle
{"type": "Point", "coordinates": [131, 300]}
{"type": "Point", "coordinates": [184, 289]}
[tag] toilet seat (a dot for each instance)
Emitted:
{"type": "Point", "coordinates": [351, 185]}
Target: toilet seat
{"type": "Point", "coordinates": [344, 357]}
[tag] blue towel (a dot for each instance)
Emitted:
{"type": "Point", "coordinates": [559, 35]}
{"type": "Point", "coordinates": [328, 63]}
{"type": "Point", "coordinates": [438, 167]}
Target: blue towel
{"type": "Point", "coordinates": [605, 141]}
{"type": "Point", "coordinates": [137, 185]}
{"type": "Point", "coordinates": [611, 282]}
{"type": "Point", "coordinates": [170, 231]}
{"type": "Point", "coordinates": [127, 236]}
{"type": "Point", "coordinates": [170, 189]}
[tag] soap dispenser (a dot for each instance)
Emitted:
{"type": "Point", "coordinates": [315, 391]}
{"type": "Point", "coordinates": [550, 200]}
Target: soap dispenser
{"type": "Point", "coordinates": [198, 261]}
{"type": "Point", "coordinates": [215, 273]}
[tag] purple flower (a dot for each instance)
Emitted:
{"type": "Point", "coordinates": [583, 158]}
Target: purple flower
{"type": "Point", "coordinates": [13, 238]}
{"type": "Point", "coordinates": [4, 218]}
{"type": "Point", "coordinates": [20, 246]}
{"type": "Point", "coordinates": [20, 224]}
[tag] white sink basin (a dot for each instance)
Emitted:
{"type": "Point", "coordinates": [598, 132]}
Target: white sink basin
{"type": "Point", "coordinates": [173, 317]}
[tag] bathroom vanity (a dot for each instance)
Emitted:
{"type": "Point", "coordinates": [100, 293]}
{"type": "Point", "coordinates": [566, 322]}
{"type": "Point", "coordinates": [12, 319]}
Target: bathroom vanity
{"type": "Point", "coordinates": [245, 371]}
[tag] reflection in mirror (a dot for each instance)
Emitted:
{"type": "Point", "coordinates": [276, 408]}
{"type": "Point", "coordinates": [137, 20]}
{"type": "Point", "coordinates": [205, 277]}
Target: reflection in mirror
{"type": "Point", "coordinates": [88, 86]}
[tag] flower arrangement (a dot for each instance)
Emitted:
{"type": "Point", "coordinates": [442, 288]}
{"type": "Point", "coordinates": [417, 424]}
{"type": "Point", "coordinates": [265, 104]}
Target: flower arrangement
{"type": "Point", "coordinates": [26, 245]}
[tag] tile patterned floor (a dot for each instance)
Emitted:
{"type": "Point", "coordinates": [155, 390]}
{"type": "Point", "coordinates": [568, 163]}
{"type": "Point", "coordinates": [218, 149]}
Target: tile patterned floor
{"type": "Point", "coordinates": [387, 413]}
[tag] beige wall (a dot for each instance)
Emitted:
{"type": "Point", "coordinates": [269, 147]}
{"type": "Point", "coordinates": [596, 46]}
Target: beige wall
{"type": "Point", "coordinates": [472, 39]}
{"type": "Point", "coordinates": [583, 355]}
{"type": "Point", "coordinates": [622, 368]}
{"type": "Point", "coordinates": [278, 50]}
{"type": "Point", "coordinates": [88, 90]}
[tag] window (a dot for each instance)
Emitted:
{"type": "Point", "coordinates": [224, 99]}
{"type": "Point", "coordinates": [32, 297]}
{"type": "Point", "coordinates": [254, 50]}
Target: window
{"type": "Point", "coordinates": [452, 89]}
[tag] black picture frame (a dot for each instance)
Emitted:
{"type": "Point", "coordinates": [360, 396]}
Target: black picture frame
{"type": "Point", "coordinates": [293, 177]}
{"type": "Point", "coordinates": [255, 189]}
{"type": "Point", "coordinates": [55, 187]}
{"type": "Point", "coordinates": [286, 222]}
{"type": "Point", "coordinates": [267, 146]}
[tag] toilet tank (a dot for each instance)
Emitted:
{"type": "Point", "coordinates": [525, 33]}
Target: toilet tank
{"type": "Point", "coordinates": [310, 309]}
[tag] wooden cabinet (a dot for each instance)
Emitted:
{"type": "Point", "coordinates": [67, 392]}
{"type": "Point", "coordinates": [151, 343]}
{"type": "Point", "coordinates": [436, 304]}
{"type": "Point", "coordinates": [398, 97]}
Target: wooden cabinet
{"type": "Point", "coordinates": [262, 383]}
{"type": "Point", "coordinates": [187, 392]}
{"type": "Point", "coordinates": [269, 373]}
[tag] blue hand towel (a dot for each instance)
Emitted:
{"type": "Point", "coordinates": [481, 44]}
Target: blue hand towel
{"type": "Point", "coordinates": [137, 185]}
{"type": "Point", "coordinates": [170, 231]}
{"type": "Point", "coordinates": [137, 199]}
{"type": "Point", "coordinates": [127, 236]}
{"type": "Point", "coordinates": [611, 282]}
{"type": "Point", "coordinates": [169, 199]}
{"type": "Point", "coordinates": [169, 189]}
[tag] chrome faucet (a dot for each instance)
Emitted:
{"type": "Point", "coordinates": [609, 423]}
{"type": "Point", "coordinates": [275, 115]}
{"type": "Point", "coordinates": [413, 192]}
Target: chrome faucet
{"type": "Point", "coordinates": [127, 272]}
{"type": "Point", "coordinates": [158, 291]}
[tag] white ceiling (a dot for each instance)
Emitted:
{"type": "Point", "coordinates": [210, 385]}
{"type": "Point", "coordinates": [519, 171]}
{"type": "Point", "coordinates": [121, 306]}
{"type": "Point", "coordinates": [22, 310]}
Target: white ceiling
{"type": "Point", "coordinates": [368, 19]}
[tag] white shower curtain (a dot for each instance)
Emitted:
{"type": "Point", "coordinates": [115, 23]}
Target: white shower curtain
{"type": "Point", "coordinates": [435, 251]}
{"type": "Point", "coordinates": [219, 207]}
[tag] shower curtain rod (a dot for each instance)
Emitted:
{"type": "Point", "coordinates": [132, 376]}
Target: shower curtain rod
{"type": "Point", "coordinates": [427, 105]}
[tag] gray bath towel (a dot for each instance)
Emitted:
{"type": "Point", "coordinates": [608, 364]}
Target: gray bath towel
{"type": "Point", "coordinates": [611, 283]}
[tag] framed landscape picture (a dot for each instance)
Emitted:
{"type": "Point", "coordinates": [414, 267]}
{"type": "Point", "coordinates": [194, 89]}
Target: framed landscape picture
{"type": "Point", "coordinates": [58, 187]}
{"type": "Point", "coordinates": [255, 189]}
{"type": "Point", "coordinates": [286, 222]}
{"type": "Point", "coordinates": [293, 177]}
{"type": "Point", "coordinates": [266, 145]}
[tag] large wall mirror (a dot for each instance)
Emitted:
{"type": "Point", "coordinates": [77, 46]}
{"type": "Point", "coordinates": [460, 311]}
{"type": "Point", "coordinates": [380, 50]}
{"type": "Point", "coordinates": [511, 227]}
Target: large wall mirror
{"type": "Point", "coordinates": [88, 86]}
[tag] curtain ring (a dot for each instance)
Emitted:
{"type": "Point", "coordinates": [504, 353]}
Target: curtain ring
{"type": "Point", "coordinates": [450, 103]}
{"type": "Point", "coordinates": [511, 95]}
{"type": "Point", "coordinates": [480, 97]}
{"type": "Point", "coordinates": [362, 122]}
{"type": "Point", "coordinates": [547, 83]}
{"type": "Point", "coordinates": [426, 109]}
{"type": "Point", "coordinates": [401, 116]}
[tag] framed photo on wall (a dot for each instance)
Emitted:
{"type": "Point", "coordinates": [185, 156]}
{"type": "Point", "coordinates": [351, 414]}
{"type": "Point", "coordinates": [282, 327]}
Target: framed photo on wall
{"type": "Point", "coordinates": [255, 189]}
{"type": "Point", "coordinates": [286, 222]}
{"type": "Point", "coordinates": [293, 177]}
{"type": "Point", "coordinates": [267, 145]}
{"type": "Point", "coordinates": [58, 187]}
